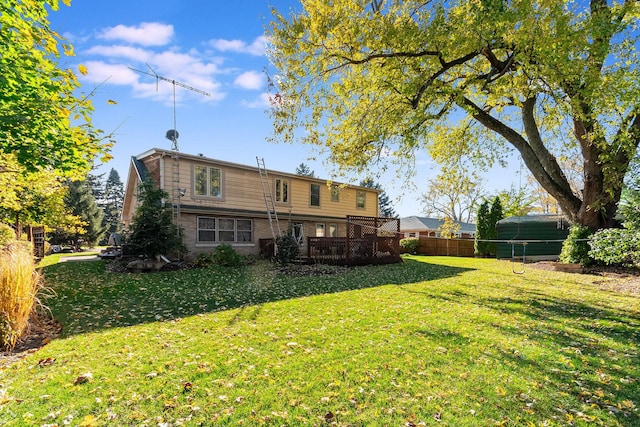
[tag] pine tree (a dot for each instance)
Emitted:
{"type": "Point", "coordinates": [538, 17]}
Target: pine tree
{"type": "Point", "coordinates": [495, 215]}
{"type": "Point", "coordinates": [481, 246]}
{"type": "Point", "coordinates": [305, 170]}
{"type": "Point", "coordinates": [385, 210]}
{"type": "Point", "coordinates": [80, 203]}
{"type": "Point", "coordinates": [152, 231]}
{"type": "Point", "coordinates": [111, 202]}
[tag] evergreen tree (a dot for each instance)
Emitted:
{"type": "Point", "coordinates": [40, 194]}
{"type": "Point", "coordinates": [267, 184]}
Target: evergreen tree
{"type": "Point", "coordinates": [81, 204]}
{"type": "Point", "coordinates": [304, 170]}
{"type": "Point", "coordinates": [483, 227]}
{"type": "Point", "coordinates": [152, 231]}
{"type": "Point", "coordinates": [385, 210]}
{"type": "Point", "coordinates": [495, 215]}
{"type": "Point", "coordinates": [111, 202]}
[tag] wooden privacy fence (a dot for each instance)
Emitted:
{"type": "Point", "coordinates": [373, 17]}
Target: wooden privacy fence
{"type": "Point", "coordinates": [445, 247]}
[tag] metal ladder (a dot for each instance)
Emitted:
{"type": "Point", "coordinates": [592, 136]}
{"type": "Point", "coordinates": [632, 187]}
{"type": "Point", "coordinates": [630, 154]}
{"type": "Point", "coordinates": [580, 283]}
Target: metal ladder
{"type": "Point", "coordinates": [176, 189]}
{"type": "Point", "coordinates": [269, 203]}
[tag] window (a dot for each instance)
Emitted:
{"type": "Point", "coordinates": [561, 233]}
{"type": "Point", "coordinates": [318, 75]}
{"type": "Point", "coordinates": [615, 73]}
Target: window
{"type": "Point", "coordinates": [224, 230]}
{"type": "Point", "coordinates": [315, 195]}
{"type": "Point", "coordinates": [282, 190]}
{"type": "Point", "coordinates": [207, 181]}
{"type": "Point", "coordinates": [335, 193]}
{"type": "Point", "coordinates": [361, 197]}
{"type": "Point", "coordinates": [333, 230]}
{"type": "Point", "coordinates": [206, 229]}
{"type": "Point", "coordinates": [319, 230]}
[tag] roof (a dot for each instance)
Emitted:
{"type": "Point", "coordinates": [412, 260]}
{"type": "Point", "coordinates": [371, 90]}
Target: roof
{"type": "Point", "coordinates": [419, 223]}
{"type": "Point", "coordinates": [202, 158]}
{"type": "Point", "coordinates": [529, 219]}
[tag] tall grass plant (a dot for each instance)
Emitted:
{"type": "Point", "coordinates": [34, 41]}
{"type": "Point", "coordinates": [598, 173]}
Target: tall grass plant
{"type": "Point", "coordinates": [19, 285]}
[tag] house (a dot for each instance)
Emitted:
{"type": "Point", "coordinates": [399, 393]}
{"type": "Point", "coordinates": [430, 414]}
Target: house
{"type": "Point", "coordinates": [415, 226]}
{"type": "Point", "coordinates": [216, 202]}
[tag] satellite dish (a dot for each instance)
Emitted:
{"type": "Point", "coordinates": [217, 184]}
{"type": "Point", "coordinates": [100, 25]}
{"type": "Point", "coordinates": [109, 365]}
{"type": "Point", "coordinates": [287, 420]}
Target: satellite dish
{"type": "Point", "coordinates": [172, 135]}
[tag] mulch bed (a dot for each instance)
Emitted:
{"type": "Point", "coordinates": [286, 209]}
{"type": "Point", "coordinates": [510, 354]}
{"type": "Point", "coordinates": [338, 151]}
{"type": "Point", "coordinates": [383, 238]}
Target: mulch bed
{"type": "Point", "coordinates": [42, 329]}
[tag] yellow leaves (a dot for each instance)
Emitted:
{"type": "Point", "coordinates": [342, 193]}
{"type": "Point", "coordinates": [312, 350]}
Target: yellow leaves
{"type": "Point", "coordinates": [500, 391]}
{"type": "Point", "coordinates": [89, 421]}
{"type": "Point", "coordinates": [112, 102]}
{"type": "Point", "coordinates": [82, 69]}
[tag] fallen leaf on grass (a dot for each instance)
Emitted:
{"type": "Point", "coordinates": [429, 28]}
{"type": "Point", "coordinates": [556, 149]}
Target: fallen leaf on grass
{"type": "Point", "coordinates": [84, 378]}
{"type": "Point", "coordinates": [45, 362]}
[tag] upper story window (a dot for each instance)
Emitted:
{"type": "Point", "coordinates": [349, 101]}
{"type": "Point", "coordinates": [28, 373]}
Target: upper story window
{"type": "Point", "coordinates": [207, 181]}
{"type": "Point", "coordinates": [315, 195]}
{"type": "Point", "coordinates": [361, 198]}
{"type": "Point", "coordinates": [335, 193]}
{"type": "Point", "coordinates": [282, 190]}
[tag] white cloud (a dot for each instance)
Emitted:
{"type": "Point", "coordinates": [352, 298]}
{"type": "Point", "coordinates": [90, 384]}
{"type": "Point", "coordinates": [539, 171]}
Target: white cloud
{"type": "Point", "coordinates": [146, 34]}
{"type": "Point", "coordinates": [249, 80]}
{"type": "Point", "coordinates": [99, 72]}
{"type": "Point", "coordinates": [127, 52]}
{"type": "Point", "coordinates": [261, 102]}
{"type": "Point", "coordinates": [257, 47]}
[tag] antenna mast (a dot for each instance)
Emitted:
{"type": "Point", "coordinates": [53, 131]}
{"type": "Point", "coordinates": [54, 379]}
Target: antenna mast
{"type": "Point", "coordinates": [175, 83]}
{"type": "Point", "coordinates": [177, 191]}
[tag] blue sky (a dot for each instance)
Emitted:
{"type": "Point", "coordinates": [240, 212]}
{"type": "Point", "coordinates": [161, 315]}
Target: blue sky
{"type": "Point", "coordinates": [212, 46]}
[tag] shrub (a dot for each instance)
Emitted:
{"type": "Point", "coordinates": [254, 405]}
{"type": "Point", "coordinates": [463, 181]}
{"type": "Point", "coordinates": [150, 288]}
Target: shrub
{"type": "Point", "coordinates": [616, 247]}
{"type": "Point", "coordinates": [19, 284]}
{"type": "Point", "coordinates": [287, 248]}
{"type": "Point", "coordinates": [575, 248]}
{"type": "Point", "coordinates": [7, 235]}
{"type": "Point", "coordinates": [410, 244]}
{"type": "Point", "coordinates": [223, 255]}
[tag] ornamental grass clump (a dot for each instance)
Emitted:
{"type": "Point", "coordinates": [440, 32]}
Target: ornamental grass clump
{"type": "Point", "coordinates": [19, 284]}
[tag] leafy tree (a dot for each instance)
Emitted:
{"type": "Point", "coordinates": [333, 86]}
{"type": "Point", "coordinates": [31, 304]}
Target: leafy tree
{"type": "Point", "coordinates": [152, 231]}
{"type": "Point", "coordinates": [371, 85]}
{"type": "Point", "coordinates": [517, 202]}
{"type": "Point", "coordinates": [111, 202]}
{"type": "Point", "coordinates": [30, 198]}
{"type": "Point", "coordinates": [42, 120]}
{"type": "Point", "coordinates": [385, 209]}
{"type": "Point", "coordinates": [449, 228]}
{"type": "Point", "coordinates": [305, 170]}
{"type": "Point", "coordinates": [453, 193]}
{"type": "Point", "coordinates": [483, 230]}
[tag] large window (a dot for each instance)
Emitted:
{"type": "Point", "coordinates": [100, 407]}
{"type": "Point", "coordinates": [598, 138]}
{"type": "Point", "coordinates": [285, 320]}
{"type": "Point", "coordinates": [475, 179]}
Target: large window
{"type": "Point", "coordinates": [207, 181]}
{"type": "Point", "coordinates": [333, 230]}
{"type": "Point", "coordinates": [315, 195]}
{"type": "Point", "coordinates": [282, 190]}
{"type": "Point", "coordinates": [361, 198]}
{"type": "Point", "coordinates": [224, 230]}
{"type": "Point", "coordinates": [319, 230]}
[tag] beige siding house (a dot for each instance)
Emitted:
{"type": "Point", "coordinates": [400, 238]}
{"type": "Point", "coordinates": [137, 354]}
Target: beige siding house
{"type": "Point", "coordinates": [218, 202]}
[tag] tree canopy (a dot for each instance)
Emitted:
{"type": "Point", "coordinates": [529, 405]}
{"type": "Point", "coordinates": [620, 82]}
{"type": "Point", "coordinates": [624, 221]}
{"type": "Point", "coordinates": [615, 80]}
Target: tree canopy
{"type": "Point", "coordinates": [372, 83]}
{"type": "Point", "coordinates": [43, 122]}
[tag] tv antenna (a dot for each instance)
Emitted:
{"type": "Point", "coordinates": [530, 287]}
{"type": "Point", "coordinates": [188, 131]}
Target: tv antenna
{"type": "Point", "coordinates": [173, 134]}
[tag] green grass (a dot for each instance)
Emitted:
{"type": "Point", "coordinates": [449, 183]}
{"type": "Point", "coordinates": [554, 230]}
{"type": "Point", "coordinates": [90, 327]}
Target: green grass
{"type": "Point", "coordinates": [433, 341]}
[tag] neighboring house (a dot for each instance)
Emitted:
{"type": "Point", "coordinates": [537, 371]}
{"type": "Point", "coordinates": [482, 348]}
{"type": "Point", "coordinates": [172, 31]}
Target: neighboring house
{"type": "Point", "coordinates": [218, 202]}
{"type": "Point", "coordinates": [416, 226]}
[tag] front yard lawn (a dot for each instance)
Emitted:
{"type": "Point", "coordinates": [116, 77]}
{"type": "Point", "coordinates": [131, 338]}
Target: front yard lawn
{"type": "Point", "coordinates": [433, 341]}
